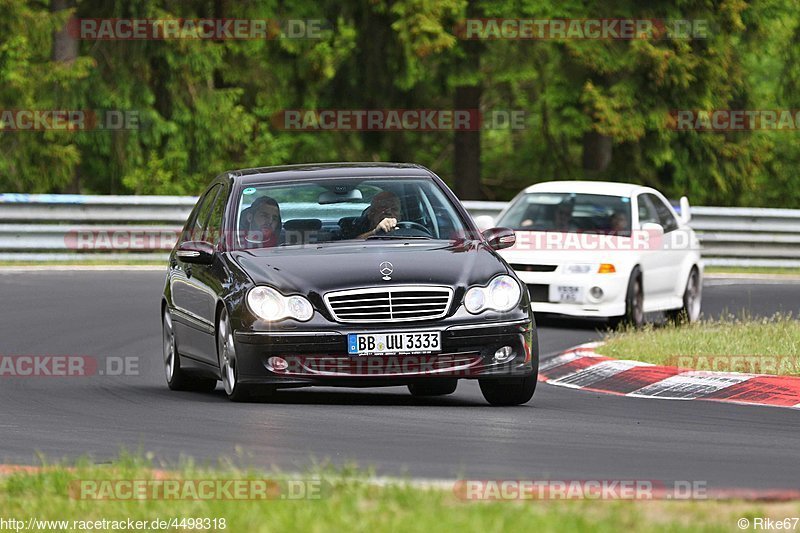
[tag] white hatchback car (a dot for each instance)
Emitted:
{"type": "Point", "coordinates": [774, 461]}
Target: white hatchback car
{"type": "Point", "coordinates": [604, 250]}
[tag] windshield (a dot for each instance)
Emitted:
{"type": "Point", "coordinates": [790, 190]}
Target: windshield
{"type": "Point", "coordinates": [569, 212]}
{"type": "Point", "coordinates": [281, 214]}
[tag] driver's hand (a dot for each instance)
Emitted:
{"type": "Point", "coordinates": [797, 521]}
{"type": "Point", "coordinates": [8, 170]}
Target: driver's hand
{"type": "Point", "coordinates": [386, 225]}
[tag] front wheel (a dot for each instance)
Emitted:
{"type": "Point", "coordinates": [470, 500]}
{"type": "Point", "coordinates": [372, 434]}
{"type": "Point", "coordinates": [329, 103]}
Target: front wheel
{"type": "Point", "coordinates": [634, 303]}
{"type": "Point", "coordinates": [508, 391]}
{"type": "Point", "coordinates": [692, 300]}
{"type": "Point", "coordinates": [228, 363]}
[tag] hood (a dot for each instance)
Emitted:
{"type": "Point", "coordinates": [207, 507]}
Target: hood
{"type": "Point", "coordinates": [551, 247]}
{"type": "Point", "coordinates": [335, 266]}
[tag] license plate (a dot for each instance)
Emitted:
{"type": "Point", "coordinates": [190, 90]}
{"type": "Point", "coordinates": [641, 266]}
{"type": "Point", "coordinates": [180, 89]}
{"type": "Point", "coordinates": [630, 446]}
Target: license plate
{"type": "Point", "coordinates": [393, 343]}
{"type": "Point", "coordinates": [566, 294]}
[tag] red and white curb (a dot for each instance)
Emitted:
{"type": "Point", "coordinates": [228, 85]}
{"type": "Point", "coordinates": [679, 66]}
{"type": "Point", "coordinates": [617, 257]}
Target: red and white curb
{"type": "Point", "coordinates": [583, 368]}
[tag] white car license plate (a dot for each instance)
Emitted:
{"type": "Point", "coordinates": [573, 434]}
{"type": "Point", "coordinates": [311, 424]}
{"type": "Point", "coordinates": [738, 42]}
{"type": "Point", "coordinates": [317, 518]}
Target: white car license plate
{"type": "Point", "coordinates": [393, 343]}
{"type": "Point", "coordinates": [566, 294]}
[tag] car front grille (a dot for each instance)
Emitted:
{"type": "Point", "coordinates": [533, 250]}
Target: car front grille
{"type": "Point", "coordinates": [399, 303]}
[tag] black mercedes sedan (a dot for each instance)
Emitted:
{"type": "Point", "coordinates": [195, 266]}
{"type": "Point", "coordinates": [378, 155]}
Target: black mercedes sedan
{"type": "Point", "coordinates": [348, 274]}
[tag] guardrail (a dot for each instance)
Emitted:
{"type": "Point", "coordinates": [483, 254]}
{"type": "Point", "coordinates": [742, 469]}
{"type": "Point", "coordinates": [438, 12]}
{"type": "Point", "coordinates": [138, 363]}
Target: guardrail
{"type": "Point", "coordinates": [54, 227]}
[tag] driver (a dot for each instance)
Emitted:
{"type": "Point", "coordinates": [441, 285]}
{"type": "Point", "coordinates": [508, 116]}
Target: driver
{"type": "Point", "coordinates": [381, 215]}
{"type": "Point", "coordinates": [262, 223]}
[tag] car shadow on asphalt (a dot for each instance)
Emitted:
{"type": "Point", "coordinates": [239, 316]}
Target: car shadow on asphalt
{"type": "Point", "coordinates": [350, 397]}
{"type": "Point", "coordinates": [330, 396]}
{"type": "Point", "coordinates": [567, 322]}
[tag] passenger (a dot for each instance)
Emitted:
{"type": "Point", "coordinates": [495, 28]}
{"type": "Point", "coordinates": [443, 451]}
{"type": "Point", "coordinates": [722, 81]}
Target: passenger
{"type": "Point", "coordinates": [261, 223]}
{"type": "Point", "coordinates": [380, 216]}
{"type": "Point", "coordinates": [562, 218]}
{"type": "Point", "coordinates": [619, 223]}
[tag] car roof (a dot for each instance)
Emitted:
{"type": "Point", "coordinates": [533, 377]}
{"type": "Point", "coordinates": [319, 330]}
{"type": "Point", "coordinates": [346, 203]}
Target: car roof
{"type": "Point", "coordinates": [329, 170]}
{"type": "Point", "coordinates": [609, 188]}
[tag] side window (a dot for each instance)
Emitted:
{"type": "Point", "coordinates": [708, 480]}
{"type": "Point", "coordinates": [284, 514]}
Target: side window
{"type": "Point", "coordinates": [213, 230]}
{"type": "Point", "coordinates": [665, 217]}
{"type": "Point", "coordinates": [194, 229]}
{"type": "Point", "coordinates": [646, 211]}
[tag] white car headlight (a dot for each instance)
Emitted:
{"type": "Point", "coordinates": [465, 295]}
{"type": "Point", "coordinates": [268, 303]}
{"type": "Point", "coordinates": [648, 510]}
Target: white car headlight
{"type": "Point", "coordinates": [502, 294]}
{"type": "Point", "coordinates": [269, 304]}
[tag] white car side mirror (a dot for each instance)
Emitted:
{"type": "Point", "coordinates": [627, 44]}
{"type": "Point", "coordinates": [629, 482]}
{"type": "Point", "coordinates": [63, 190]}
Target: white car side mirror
{"type": "Point", "coordinates": [686, 213]}
{"type": "Point", "coordinates": [484, 222]}
{"type": "Point", "coordinates": [653, 229]}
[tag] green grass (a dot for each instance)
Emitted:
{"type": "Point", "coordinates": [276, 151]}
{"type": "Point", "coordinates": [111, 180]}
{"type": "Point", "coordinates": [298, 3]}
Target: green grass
{"type": "Point", "coordinates": [762, 346]}
{"type": "Point", "coordinates": [788, 271]}
{"type": "Point", "coordinates": [351, 502]}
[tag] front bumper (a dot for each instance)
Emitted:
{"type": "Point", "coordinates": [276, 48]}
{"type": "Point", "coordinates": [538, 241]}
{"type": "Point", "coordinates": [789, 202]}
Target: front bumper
{"type": "Point", "coordinates": [541, 287]}
{"type": "Point", "coordinates": [321, 358]}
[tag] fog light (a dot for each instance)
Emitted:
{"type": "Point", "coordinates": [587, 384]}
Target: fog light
{"type": "Point", "coordinates": [503, 354]}
{"type": "Point", "coordinates": [596, 293]}
{"type": "Point", "coordinates": [278, 363]}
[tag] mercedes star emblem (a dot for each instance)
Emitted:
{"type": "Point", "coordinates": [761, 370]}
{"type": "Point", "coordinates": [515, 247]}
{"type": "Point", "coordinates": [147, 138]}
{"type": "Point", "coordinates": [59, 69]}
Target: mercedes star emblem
{"type": "Point", "coordinates": [386, 269]}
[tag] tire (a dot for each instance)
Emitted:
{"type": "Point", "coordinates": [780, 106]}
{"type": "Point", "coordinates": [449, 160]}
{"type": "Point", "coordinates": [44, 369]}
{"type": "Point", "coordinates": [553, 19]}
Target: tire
{"type": "Point", "coordinates": [692, 300]}
{"type": "Point", "coordinates": [508, 391]}
{"type": "Point", "coordinates": [634, 303]}
{"type": "Point", "coordinates": [177, 378]}
{"type": "Point", "coordinates": [228, 367]}
{"type": "Point", "coordinates": [433, 387]}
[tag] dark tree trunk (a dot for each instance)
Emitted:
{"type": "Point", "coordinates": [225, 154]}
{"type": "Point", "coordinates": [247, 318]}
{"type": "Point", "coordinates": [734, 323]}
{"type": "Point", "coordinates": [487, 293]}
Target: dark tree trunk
{"type": "Point", "coordinates": [467, 144]}
{"type": "Point", "coordinates": [65, 46]}
{"type": "Point", "coordinates": [596, 153]}
{"type": "Point", "coordinates": [65, 50]}
{"type": "Point", "coordinates": [467, 148]}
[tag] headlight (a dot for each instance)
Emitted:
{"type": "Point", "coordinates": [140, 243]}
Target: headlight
{"type": "Point", "coordinates": [268, 304]}
{"type": "Point", "coordinates": [475, 300]}
{"type": "Point", "coordinates": [502, 294]}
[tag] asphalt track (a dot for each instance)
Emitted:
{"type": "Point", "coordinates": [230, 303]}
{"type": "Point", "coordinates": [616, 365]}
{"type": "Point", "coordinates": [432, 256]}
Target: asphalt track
{"type": "Point", "coordinates": [560, 434]}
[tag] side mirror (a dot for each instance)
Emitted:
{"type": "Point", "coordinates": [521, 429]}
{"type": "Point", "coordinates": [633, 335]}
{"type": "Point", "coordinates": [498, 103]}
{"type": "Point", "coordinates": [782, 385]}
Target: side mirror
{"type": "Point", "coordinates": [686, 213]}
{"type": "Point", "coordinates": [499, 238]}
{"type": "Point", "coordinates": [196, 252]}
{"type": "Point", "coordinates": [653, 229]}
{"type": "Point", "coordinates": [484, 222]}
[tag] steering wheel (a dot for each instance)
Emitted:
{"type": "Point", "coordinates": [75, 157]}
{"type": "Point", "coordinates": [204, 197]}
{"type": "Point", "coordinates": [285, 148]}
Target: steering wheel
{"type": "Point", "coordinates": [413, 227]}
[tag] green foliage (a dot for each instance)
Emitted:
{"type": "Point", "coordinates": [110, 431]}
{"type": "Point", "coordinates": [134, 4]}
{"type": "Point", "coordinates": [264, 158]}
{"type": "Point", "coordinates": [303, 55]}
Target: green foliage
{"type": "Point", "coordinates": [207, 106]}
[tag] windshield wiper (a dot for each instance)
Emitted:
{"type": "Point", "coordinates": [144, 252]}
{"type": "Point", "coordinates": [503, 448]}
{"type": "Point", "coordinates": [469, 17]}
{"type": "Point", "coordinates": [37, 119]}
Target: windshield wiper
{"type": "Point", "coordinates": [396, 237]}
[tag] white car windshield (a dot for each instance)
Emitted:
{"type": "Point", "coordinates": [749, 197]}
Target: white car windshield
{"type": "Point", "coordinates": [569, 212]}
{"type": "Point", "coordinates": [325, 211]}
